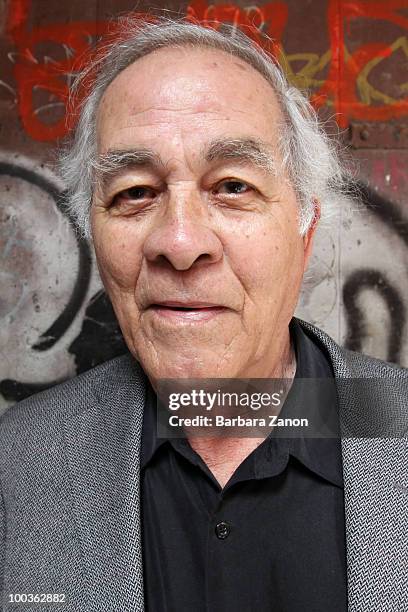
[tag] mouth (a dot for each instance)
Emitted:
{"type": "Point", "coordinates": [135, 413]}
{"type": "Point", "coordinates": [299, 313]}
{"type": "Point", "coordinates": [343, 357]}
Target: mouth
{"type": "Point", "coordinates": [187, 311]}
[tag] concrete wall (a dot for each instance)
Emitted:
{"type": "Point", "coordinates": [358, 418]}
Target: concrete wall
{"type": "Point", "coordinates": [351, 56]}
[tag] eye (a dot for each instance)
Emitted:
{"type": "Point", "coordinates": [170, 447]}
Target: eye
{"type": "Point", "coordinates": [135, 193]}
{"type": "Point", "coordinates": [232, 187]}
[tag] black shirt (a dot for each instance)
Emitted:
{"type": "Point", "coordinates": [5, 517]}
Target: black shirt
{"type": "Point", "coordinates": [273, 539]}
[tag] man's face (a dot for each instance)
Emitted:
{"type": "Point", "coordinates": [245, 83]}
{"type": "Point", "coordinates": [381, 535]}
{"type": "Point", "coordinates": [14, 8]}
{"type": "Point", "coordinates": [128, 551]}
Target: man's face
{"type": "Point", "coordinates": [195, 234]}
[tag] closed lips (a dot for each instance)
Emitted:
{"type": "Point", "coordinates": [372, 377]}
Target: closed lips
{"type": "Point", "coordinates": [184, 305]}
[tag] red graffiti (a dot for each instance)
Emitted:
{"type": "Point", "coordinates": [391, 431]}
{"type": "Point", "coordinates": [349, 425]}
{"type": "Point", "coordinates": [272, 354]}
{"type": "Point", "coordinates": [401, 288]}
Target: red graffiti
{"type": "Point", "coordinates": [78, 40]}
{"type": "Point", "coordinates": [254, 21]}
{"type": "Point", "coordinates": [31, 74]}
{"type": "Point", "coordinates": [340, 86]}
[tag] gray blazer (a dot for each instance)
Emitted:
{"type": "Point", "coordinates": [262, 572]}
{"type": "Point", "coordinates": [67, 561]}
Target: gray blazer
{"type": "Point", "coordinates": [69, 473]}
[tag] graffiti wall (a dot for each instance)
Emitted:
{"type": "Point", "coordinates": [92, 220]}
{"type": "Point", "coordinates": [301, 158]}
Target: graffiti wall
{"type": "Point", "coordinates": [351, 57]}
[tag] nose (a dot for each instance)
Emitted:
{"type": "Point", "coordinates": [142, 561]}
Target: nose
{"type": "Point", "coordinates": [183, 236]}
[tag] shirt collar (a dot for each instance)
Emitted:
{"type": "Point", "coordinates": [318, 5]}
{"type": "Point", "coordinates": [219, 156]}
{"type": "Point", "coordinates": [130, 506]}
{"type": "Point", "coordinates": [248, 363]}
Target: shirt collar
{"type": "Point", "coordinates": [150, 440]}
{"type": "Point", "coordinates": [320, 455]}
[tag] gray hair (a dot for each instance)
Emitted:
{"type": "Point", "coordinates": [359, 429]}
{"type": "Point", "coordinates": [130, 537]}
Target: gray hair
{"type": "Point", "coordinates": [309, 156]}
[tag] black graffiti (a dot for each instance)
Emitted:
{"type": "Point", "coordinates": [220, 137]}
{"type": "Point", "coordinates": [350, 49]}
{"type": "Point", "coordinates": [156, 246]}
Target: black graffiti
{"type": "Point", "coordinates": [373, 280]}
{"type": "Point", "coordinates": [14, 390]}
{"type": "Point", "coordinates": [369, 279]}
{"type": "Point", "coordinates": [58, 328]}
{"type": "Point", "coordinates": [386, 211]}
{"type": "Point", "coordinates": [99, 340]}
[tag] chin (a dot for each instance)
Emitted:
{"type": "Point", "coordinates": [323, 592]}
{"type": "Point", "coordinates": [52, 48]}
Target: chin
{"type": "Point", "coordinates": [190, 370]}
{"type": "Point", "coordinates": [176, 366]}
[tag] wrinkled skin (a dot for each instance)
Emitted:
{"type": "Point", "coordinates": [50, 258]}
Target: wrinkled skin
{"type": "Point", "coordinates": [190, 235]}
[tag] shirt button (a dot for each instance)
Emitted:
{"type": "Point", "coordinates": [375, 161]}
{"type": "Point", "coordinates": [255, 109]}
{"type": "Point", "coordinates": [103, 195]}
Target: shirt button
{"type": "Point", "coordinates": [222, 530]}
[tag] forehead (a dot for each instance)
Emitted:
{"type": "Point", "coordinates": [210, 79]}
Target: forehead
{"type": "Point", "coordinates": [189, 92]}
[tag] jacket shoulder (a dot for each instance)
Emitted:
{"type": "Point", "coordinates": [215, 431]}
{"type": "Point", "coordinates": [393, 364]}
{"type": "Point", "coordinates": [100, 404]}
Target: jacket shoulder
{"type": "Point", "coordinates": [373, 367]}
{"type": "Point", "coordinates": [46, 411]}
{"type": "Point", "coordinates": [347, 363]}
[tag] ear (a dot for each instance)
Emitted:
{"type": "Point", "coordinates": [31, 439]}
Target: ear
{"type": "Point", "coordinates": [308, 237]}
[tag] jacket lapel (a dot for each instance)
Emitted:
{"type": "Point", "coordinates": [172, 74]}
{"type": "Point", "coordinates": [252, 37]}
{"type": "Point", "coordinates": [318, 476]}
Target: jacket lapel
{"type": "Point", "coordinates": [373, 403]}
{"type": "Point", "coordinates": [102, 446]}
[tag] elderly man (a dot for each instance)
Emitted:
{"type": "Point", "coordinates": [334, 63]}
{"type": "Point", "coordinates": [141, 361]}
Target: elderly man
{"type": "Point", "coordinates": [199, 174]}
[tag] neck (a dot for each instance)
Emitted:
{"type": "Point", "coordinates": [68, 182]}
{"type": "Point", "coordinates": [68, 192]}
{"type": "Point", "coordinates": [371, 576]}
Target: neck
{"type": "Point", "coordinates": [224, 454]}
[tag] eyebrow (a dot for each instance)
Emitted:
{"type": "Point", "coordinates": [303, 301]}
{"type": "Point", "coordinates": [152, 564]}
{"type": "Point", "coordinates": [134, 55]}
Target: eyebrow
{"type": "Point", "coordinates": [115, 161]}
{"type": "Point", "coordinates": [242, 150]}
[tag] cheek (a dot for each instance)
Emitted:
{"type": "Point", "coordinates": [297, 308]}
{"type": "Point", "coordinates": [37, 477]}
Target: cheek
{"type": "Point", "coordinates": [267, 259]}
{"type": "Point", "coordinates": [119, 257]}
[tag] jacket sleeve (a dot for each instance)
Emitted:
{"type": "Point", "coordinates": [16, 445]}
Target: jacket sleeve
{"type": "Point", "coordinates": [2, 543]}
